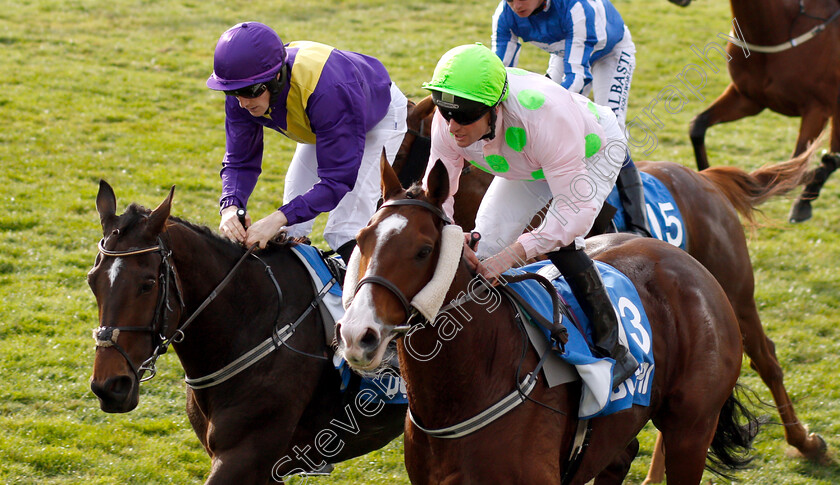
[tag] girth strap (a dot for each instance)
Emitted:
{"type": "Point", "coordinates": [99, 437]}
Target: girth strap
{"type": "Point", "coordinates": [494, 412]}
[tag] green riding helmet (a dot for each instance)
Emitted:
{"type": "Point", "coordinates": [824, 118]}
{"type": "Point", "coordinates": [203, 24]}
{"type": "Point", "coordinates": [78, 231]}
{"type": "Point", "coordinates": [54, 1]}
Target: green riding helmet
{"type": "Point", "coordinates": [468, 81]}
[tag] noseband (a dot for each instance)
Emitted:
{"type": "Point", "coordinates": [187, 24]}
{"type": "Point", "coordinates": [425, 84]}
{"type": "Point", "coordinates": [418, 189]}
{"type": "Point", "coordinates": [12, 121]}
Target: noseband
{"type": "Point", "coordinates": [411, 313]}
{"type": "Point", "coordinates": [107, 336]}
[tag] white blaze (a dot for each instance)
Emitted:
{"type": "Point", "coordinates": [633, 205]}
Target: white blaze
{"type": "Point", "coordinates": [114, 270]}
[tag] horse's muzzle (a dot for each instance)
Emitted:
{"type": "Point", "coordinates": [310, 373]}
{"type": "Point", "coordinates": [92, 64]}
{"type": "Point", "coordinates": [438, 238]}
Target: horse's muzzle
{"type": "Point", "coordinates": [360, 349]}
{"type": "Point", "coordinates": [118, 394]}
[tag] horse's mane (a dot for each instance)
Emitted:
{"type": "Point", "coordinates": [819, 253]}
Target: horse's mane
{"type": "Point", "coordinates": [136, 212]}
{"type": "Point", "coordinates": [415, 191]}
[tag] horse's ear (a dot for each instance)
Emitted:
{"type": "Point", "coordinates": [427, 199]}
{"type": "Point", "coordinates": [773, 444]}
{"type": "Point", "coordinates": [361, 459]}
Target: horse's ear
{"type": "Point", "coordinates": [106, 205]}
{"type": "Point", "coordinates": [158, 217]}
{"type": "Point", "coordinates": [390, 182]}
{"type": "Point", "coordinates": [425, 109]}
{"type": "Point", "coordinates": [437, 185]}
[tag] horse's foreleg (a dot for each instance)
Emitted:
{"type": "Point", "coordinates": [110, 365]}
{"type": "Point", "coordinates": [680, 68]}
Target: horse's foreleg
{"type": "Point", "coordinates": [242, 466]}
{"type": "Point", "coordinates": [198, 419]}
{"type": "Point", "coordinates": [615, 472]}
{"type": "Point", "coordinates": [729, 106]}
{"type": "Point", "coordinates": [812, 124]}
{"type": "Point", "coordinates": [761, 351]}
{"type": "Point", "coordinates": [656, 472]}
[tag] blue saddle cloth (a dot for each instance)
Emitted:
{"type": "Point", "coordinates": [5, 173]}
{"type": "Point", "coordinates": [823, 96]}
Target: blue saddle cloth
{"type": "Point", "coordinates": [312, 256]}
{"type": "Point", "coordinates": [664, 217]}
{"type": "Point", "coordinates": [597, 399]}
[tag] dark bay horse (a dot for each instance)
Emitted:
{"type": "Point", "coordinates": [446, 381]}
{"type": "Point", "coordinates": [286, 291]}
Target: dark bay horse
{"type": "Point", "coordinates": [695, 339]}
{"type": "Point", "coordinates": [800, 80]}
{"type": "Point", "coordinates": [710, 201]}
{"type": "Point", "coordinates": [285, 413]}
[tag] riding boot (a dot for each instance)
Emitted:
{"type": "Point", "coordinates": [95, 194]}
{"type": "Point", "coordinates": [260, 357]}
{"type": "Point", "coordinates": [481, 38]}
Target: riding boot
{"type": "Point", "coordinates": [631, 193]}
{"type": "Point", "coordinates": [589, 290]}
{"type": "Point", "coordinates": [345, 251]}
{"type": "Point", "coordinates": [801, 210]}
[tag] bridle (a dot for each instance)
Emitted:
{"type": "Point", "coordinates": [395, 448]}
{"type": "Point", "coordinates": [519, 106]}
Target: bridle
{"type": "Point", "coordinates": [107, 336]}
{"type": "Point", "coordinates": [412, 314]}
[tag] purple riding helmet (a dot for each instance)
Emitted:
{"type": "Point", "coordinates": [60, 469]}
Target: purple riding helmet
{"type": "Point", "coordinates": [248, 53]}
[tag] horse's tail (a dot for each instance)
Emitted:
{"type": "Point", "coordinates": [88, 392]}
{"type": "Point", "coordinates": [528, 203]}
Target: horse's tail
{"type": "Point", "coordinates": [746, 191]}
{"type": "Point", "coordinates": [732, 443]}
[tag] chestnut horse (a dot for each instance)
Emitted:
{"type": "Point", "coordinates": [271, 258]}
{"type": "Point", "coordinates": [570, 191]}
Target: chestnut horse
{"type": "Point", "coordinates": [789, 74]}
{"type": "Point", "coordinates": [695, 338]}
{"type": "Point", "coordinates": [709, 201]}
{"type": "Point", "coordinates": [283, 414]}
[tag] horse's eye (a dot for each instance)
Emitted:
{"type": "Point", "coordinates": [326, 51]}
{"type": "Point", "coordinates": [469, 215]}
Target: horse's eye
{"type": "Point", "coordinates": [424, 253]}
{"type": "Point", "coordinates": [147, 285]}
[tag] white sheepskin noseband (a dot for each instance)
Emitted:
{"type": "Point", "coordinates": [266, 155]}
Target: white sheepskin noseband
{"type": "Point", "coordinates": [429, 300]}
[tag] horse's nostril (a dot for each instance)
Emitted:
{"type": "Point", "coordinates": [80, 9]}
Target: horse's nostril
{"type": "Point", "coordinates": [121, 385]}
{"type": "Point", "coordinates": [338, 339]}
{"type": "Point", "coordinates": [113, 388]}
{"type": "Point", "coordinates": [370, 339]}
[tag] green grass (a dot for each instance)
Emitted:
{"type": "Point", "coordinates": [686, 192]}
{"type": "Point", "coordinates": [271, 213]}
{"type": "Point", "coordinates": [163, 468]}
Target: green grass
{"type": "Point", "coordinates": [115, 90]}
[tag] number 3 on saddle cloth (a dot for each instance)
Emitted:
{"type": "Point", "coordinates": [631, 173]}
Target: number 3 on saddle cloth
{"type": "Point", "coordinates": [595, 372]}
{"type": "Point", "coordinates": [386, 386]}
{"type": "Point", "coordinates": [666, 222]}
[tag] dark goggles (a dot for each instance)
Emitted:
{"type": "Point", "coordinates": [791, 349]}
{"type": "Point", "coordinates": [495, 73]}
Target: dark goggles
{"type": "Point", "coordinates": [463, 111]}
{"type": "Point", "coordinates": [252, 91]}
{"type": "Point", "coordinates": [463, 117]}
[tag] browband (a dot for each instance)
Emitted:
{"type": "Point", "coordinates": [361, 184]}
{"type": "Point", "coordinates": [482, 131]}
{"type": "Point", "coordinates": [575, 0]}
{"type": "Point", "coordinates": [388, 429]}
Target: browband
{"type": "Point", "coordinates": [421, 203]}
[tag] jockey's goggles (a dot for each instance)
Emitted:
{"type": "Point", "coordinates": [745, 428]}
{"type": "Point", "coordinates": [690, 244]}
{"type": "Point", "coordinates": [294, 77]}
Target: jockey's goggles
{"type": "Point", "coordinates": [252, 91]}
{"type": "Point", "coordinates": [463, 118]}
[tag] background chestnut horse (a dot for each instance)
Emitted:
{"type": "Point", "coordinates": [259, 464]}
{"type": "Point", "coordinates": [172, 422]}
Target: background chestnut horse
{"type": "Point", "coordinates": [262, 423]}
{"type": "Point", "coordinates": [802, 81]}
{"type": "Point", "coordinates": [709, 201]}
{"type": "Point", "coordinates": [695, 338]}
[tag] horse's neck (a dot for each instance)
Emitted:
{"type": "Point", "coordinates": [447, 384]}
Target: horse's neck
{"type": "Point", "coordinates": [243, 312]}
{"type": "Point", "coordinates": [465, 362]}
{"type": "Point", "coordinates": [765, 22]}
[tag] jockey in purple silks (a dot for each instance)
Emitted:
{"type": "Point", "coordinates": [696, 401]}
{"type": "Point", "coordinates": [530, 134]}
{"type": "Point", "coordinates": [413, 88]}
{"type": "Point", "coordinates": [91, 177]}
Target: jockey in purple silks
{"type": "Point", "coordinates": [340, 107]}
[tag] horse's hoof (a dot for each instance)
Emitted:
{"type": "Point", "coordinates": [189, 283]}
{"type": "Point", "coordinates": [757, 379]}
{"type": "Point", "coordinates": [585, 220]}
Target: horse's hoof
{"type": "Point", "coordinates": [801, 211]}
{"type": "Point", "coordinates": [818, 455]}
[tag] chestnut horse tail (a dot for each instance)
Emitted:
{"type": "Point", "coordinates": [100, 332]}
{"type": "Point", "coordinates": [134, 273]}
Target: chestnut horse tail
{"type": "Point", "coordinates": [732, 443]}
{"type": "Point", "coordinates": [746, 191]}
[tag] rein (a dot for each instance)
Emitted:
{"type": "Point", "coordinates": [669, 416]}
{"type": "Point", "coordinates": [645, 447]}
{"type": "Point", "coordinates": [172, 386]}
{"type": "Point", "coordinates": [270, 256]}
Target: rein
{"type": "Point", "coordinates": [799, 40]}
{"type": "Point", "coordinates": [275, 341]}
